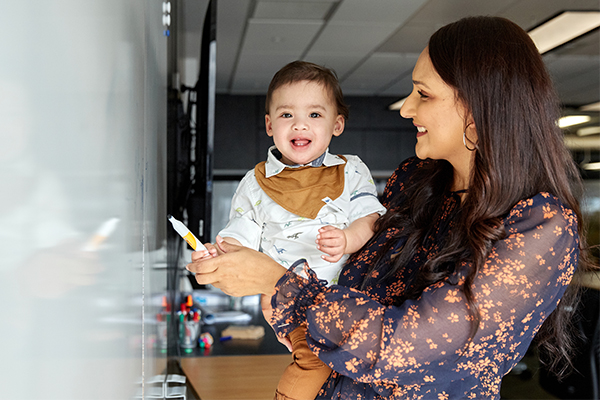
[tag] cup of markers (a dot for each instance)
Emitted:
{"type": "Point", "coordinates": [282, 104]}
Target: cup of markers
{"type": "Point", "coordinates": [162, 321]}
{"type": "Point", "coordinates": [189, 324]}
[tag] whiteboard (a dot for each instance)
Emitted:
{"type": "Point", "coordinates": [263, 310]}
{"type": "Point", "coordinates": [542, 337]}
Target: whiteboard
{"type": "Point", "coordinates": [82, 174]}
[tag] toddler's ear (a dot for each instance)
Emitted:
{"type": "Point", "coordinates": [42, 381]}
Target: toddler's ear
{"type": "Point", "coordinates": [268, 126]}
{"type": "Point", "coordinates": [340, 124]}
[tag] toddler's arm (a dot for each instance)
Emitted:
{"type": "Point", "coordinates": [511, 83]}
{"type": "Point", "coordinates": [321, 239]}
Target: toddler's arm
{"type": "Point", "coordinates": [335, 242]}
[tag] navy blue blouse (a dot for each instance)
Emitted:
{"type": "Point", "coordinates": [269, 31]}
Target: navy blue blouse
{"type": "Point", "coordinates": [420, 349]}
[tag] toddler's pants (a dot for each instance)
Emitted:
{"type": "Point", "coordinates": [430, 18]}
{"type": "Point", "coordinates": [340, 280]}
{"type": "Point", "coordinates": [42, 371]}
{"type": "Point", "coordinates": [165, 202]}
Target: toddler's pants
{"type": "Point", "coordinates": [303, 378]}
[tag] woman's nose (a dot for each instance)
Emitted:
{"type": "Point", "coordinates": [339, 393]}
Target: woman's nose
{"type": "Point", "coordinates": [407, 109]}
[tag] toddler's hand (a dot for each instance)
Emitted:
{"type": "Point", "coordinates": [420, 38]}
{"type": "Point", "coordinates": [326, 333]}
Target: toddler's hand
{"type": "Point", "coordinates": [210, 252]}
{"type": "Point", "coordinates": [331, 241]}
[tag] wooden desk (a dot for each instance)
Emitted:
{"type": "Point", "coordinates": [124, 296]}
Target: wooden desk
{"type": "Point", "coordinates": [235, 377]}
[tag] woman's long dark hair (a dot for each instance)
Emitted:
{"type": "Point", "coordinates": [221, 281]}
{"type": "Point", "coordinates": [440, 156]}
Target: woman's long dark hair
{"type": "Point", "coordinates": [498, 73]}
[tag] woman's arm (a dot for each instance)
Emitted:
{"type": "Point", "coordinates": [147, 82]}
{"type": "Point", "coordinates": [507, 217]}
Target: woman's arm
{"type": "Point", "coordinates": [520, 285]}
{"type": "Point", "coordinates": [237, 271]}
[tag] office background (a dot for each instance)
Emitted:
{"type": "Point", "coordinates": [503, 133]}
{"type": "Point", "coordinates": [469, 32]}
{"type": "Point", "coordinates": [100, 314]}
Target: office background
{"type": "Point", "coordinates": [83, 153]}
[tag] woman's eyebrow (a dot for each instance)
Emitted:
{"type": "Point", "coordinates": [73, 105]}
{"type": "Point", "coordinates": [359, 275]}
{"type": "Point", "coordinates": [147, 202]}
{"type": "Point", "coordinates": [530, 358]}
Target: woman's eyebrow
{"type": "Point", "coordinates": [420, 83]}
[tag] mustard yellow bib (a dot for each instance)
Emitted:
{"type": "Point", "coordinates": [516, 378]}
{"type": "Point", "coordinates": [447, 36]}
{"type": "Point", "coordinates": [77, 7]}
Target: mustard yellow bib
{"type": "Point", "coordinates": [301, 190]}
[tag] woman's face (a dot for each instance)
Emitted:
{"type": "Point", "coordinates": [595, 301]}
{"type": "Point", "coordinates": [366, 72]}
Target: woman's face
{"type": "Point", "coordinates": [440, 119]}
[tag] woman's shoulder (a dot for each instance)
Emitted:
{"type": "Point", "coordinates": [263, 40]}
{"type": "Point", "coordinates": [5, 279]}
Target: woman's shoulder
{"type": "Point", "coordinates": [412, 164]}
{"type": "Point", "coordinates": [542, 209]}
{"type": "Point", "coordinates": [403, 173]}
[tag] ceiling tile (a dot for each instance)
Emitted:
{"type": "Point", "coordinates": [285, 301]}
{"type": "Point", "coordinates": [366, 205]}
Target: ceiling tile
{"type": "Point", "coordinates": [230, 29]}
{"type": "Point", "coordinates": [400, 88]}
{"type": "Point", "coordinates": [353, 38]}
{"type": "Point", "coordinates": [414, 34]}
{"type": "Point", "coordinates": [380, 71]}
{"type": "Point", "coordinates": [437, 13]}
{"type": "Point", "coordinates": [588, 44]}
{"type": "Point", "coordinates": [255, 71]}
{"type": "Point", "coordinates": [256, 37]}
{"type": "Point", "coordinates": [292, 9]}
{"type": "Point", "coordinates": [376, 11]}
{"type": "Point", "coordinates": [340, 62]}
{"type": "Point", "coordinates": [266, 44]}
{"type": "Point", "coordinates": [408, 39]}
{"type": "Point", "coordinates": [574, 76]}
{"type": "Point", "coordinates": [279, 36]}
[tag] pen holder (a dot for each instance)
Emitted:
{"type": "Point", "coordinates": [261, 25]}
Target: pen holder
{"type": "Point", "coordinates": [161, 333]}
{"type": "Point", "coordinates": [188, 334]}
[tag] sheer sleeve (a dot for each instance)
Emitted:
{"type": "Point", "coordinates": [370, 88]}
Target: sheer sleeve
{"type": "Point", "coordinates": [426, 339]}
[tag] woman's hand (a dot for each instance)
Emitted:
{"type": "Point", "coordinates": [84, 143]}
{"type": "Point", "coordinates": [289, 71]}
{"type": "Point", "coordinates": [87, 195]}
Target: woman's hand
{"type": "Point", "coordinates": [238, 271]}
{"type": "Point", "coordinates": [210, 252]}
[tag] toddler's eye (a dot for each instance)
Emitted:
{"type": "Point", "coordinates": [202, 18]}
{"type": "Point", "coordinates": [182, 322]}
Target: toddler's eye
{"type": "Point", "coordinates": [315, 115]}
{"type": "Point", "coordinates": [286, 115]}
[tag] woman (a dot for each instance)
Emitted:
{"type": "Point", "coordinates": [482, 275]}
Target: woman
{"type": "Point", "coordinates": [478, 246]}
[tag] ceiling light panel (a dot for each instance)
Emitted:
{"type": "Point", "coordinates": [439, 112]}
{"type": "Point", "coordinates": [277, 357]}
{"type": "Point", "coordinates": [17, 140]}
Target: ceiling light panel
{"type": "Point", "coordinates": [563, 28]}
{"type": "Point", "coordinates": [582, 143]}
{"type": "Point", "coordinates": [591, 107]}
{"type": "Point", "coordinates": [529, 13]}
{"type": "Point", "coordinates": [586, 45]}
{"type": "Point", "coordinates": [292, 9]}
{"type": "Point", "coordinates": [570, 120]}
{"type": "Point", "coordinates": [588, 130]}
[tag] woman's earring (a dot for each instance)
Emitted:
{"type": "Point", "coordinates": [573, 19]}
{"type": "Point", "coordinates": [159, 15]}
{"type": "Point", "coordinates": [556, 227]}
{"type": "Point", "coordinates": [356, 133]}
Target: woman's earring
{"type": "Point", "coordinates": [465, 142]}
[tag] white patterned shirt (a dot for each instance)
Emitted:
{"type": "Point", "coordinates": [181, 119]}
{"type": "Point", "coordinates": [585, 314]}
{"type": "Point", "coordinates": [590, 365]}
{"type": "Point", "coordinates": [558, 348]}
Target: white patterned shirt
{"type": "Point", "coordinates": [258, 222]}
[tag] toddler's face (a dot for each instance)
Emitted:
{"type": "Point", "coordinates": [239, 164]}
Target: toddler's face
{"type": "Point", "coordinates": [302, 119]}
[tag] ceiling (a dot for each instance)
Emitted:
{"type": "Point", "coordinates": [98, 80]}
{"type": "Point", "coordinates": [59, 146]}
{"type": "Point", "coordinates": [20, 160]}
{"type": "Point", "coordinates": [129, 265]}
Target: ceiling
{"type": "Point", "coordinates": [372, 45]}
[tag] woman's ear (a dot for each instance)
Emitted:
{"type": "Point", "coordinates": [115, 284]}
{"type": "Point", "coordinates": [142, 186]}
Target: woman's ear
{"type": "Point", "coordinates": [268, 125]}
{"type": "Point", "coordinates": [340, 124]}
{"type": "Point", "coordinates": [470, 137]}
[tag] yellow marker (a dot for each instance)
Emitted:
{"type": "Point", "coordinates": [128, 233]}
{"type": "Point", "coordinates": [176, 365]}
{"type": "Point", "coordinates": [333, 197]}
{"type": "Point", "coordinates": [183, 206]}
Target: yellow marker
{"type": "Point", "coordinates": [185, 233]}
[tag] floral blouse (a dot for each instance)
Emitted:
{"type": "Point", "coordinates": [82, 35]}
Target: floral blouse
{"type": "Point", "coordinates": [420, 349]}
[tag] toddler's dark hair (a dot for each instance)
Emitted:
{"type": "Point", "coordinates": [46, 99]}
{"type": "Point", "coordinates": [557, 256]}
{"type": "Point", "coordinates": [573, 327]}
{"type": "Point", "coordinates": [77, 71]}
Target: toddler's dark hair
{"type": "Point", "coordinates": [297, 71]}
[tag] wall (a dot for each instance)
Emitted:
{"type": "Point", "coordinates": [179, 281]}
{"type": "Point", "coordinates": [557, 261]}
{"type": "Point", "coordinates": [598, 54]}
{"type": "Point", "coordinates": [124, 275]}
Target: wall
{"type": "Point", "coordinates": [82, 125]}
{"type": "Point", "coordinates": [382, 138]}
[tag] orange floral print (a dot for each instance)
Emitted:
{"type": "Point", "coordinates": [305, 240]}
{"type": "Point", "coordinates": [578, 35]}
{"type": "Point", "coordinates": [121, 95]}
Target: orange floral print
{"type": "Point", "coordinates": [420, 349]}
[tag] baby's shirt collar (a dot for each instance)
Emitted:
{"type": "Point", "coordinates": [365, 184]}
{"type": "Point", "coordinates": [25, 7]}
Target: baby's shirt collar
{"type": "Point", "coordinates": [274, 166]}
